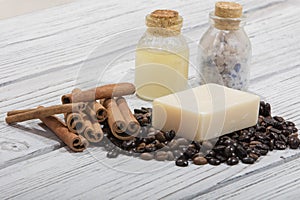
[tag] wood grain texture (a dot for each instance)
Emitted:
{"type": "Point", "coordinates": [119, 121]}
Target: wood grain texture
{"type": "Point", "coordinates": [46, 57]}
{"type": "Point", "coordinates": [48, 54]}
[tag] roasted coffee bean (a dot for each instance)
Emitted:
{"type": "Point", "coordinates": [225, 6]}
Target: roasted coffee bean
{"type": "Point", "coordinates": [263, 152]}
{"type": "Point", "coordinates": [219, 148]}
{"type": "Point", "coordinates": [199, 154]}
{"type": "Point", "coordinates": [159, 145]}
{"type": "Point", "coordinates": [112, 154]}
{"type": "Point", "coordinates": [244, 138]}
{"type": "Point", "coordinates": [261, 129]}
{"type": "Point", "coordinates": [140, 111]}
{"type": "Point", "coordinates": [267, 110]}
{"type": "Point", "coordinates": [274, 130]}
{"type": "Point", "coordinates": [294, 142]}
{"type": "Point", "coordinates": [286, 133]}
{"type": "Point", "coordinates": [197, 145]}
{"type": "Point", "coordinates": [295, 130]}
{"type": "Point", "coordinates": [290, 129]}
{"type": "Point", "coordinates": [254, 156]}
{"type": "Point", "coordinates": [271, 144]}
{"type": "Point", "coordinates": [274, 135]}
{"type": "Point", "coordinates": [240, 152]}
{"type": "Point", "coordinates": [160, 136]}
{"type": "Point", "coordinates": [170, 135]}
{"type": "Point", "coordinates": [248, 160]}
{"type": "Point", "coordinates": [279, 119]}
{"type": "Point", "coordinates": [211, 153]}
{"type": "Point", "coordinates": [283, 138]}
{"type": "Point", "coordinates": [146, 156]}
{"type": "Point", "coordinates": [228, 151]}
{"type": "Point", "coordinates": [150, 147]}
{"type": "Point", "coordinates": [183, 141]}
{"type": "Point", "coordinates": [232, 161]}
{"type": "Point", "coordinates": [182, 162]}
{"type": "Point", "coordinates": [128, 144]}
{"type": "Point", "coordinates": [255, 142]}
{"type": "Point", "coordinates": [294, 135]}
{"type": "Point", "coordinates": [199, 160]}
{"type": "Point", "coordinates": [262, 146]}
{"type": "Point", "coordinates": [161, 156]}
{"type": "Point", "coordinates": [141, 147]}
{"type": "Point", "coordinates": [149, 139]}
{"type": "Point", "coordinates": [190, 152]}
{"type": "Point", "coordinates": [289, 123]}
{"type": "Point", "coordinates": [214, 161]}
{"type": "Point", "coordinates": [280, 145]}
{"type": "Point", "coordinates": [221, 158]}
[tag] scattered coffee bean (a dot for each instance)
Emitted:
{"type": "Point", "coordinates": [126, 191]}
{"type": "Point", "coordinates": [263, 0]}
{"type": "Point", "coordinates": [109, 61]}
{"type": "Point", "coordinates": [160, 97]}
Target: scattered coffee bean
{"type": "Point", "coordinates": [182, 162]}
{"type": "Point", "coordinates": [232, 161]}
{"type": "Point", "coordinates": [199, 160]}
{"type": "Point", "coordinates": [214, 161]}
{"type": "Point", "coordinates": [248, 160]}
{"type": "Point", "coordinates": [254, 156]}
{"type": "Point", "coordinates": [160, 136]}
{"type": "Point", "coordinates": [294, 142]}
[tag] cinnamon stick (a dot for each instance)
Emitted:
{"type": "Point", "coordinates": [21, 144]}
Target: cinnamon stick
{"type": "Point", "coordinates": [74, 122]}
{"type": "Point", "coordinates": [133, 126]}
{"type": "Point", "coordinates": [73, 141]}
{"type": "Point", "coordinates": [23, 115]}
{"type": "Point", "coordinates": [93, 132]}
{"type": "Point", "coordinates": [116, 120]}
{"type": "Point", "coordinates": [99, 110]}
{"type": "Point", "coordinates": [105, 91]}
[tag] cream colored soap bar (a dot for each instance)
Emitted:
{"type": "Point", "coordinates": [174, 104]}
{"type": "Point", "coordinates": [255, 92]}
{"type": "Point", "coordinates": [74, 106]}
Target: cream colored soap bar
{"type": "Point", "coordinates": [205, 112]}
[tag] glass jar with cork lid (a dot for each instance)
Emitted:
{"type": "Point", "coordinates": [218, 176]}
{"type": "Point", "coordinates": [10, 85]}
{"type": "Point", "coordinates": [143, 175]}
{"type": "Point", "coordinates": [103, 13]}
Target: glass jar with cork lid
{"type": "Point", "coordinates": [224, 51]}
{"type": "Point", "coordinates": [162, 56]}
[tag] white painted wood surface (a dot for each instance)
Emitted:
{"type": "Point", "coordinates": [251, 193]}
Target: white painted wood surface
{"type": "Point", "coordinates": [41, 55]}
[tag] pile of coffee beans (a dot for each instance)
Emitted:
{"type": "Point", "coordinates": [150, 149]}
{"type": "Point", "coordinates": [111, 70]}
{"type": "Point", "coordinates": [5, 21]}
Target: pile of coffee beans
{"type": "Point", "coordinates": [244, 146]}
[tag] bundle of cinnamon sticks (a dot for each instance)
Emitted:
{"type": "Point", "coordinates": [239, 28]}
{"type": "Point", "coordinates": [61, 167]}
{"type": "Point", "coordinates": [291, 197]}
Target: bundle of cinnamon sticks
{"type": "Point", "coordinates": [84, 114]}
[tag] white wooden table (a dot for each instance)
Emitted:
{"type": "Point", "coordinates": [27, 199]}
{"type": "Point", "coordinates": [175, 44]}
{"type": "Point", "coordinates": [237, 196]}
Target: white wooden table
{"type": "Point", "coordinates": [47, 53]}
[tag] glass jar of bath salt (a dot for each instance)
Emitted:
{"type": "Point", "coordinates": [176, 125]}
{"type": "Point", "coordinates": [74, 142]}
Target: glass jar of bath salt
{"type": "Point", "coordinates": [224, 51]}
{"type": "Point", "coordinates": [162, 56]}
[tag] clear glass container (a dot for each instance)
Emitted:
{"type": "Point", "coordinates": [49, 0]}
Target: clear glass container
{"type": "Point", "coordinates": [162, 59]}
{"type": "Point", "coordinates": [224, 53]}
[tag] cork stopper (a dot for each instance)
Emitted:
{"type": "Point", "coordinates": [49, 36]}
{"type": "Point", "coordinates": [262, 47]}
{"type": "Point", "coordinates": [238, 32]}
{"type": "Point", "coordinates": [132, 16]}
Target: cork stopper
{"type": "Point", "coordinates": [169, 20]}
{"type": "Point", "coordinates": [228, 15]}
{"type": "Point", "coordinates": [164, 14]}
{"type": "Point", "coordinates": [228, 10]}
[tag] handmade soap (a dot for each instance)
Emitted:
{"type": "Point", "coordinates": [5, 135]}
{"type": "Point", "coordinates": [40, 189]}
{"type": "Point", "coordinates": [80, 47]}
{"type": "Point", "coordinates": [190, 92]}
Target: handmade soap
{"type": "Point", "coordinates": [205, 112]}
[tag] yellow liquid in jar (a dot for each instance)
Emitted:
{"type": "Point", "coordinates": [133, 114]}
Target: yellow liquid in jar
{"type": "Point", "coordinates": [159, 73]}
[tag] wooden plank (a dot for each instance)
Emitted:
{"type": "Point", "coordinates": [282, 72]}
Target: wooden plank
{"type": "Point", "coordinates": [11, 8]}
{"type": "Point", "coordinates": [280, 182]}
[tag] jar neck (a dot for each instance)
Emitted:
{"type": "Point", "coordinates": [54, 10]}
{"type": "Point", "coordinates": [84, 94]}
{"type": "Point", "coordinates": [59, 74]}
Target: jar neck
{"type": "Point", "coordinates": [227, 23]}
{"type": "Point", "coordinates": [162, 32]}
